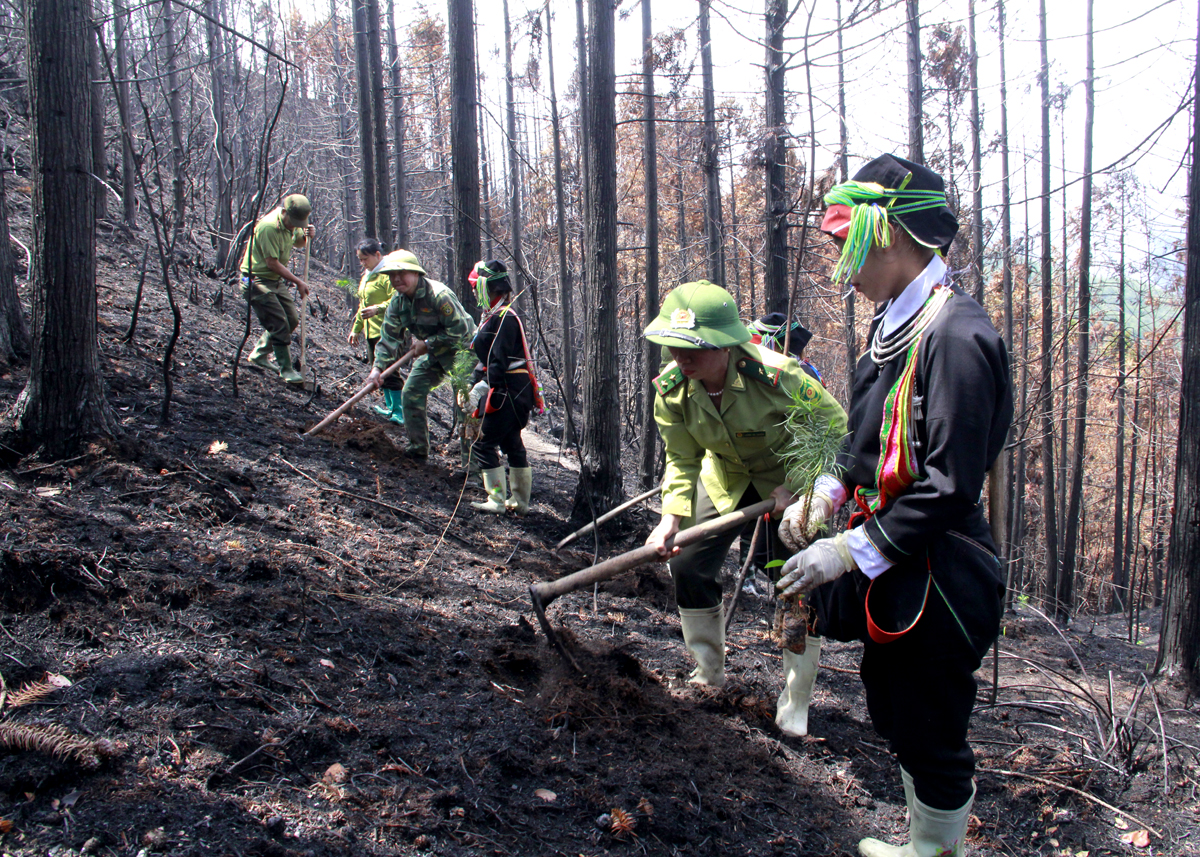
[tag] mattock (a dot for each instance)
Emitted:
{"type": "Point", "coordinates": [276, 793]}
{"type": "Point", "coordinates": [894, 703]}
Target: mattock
{"type": "Point", "coordinates": [362, 391]}
{"type": "Point", "coordinates": [544, 593]}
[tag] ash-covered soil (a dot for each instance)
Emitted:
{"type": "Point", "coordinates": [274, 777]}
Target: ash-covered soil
{"type": "Point", "coordinates": [287, 646]}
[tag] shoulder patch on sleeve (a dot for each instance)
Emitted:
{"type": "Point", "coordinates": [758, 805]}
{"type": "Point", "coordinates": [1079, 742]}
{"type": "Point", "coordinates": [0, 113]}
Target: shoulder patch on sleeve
{"type": "Point", "coordinates": [809, 391]}
{"type": "Point", "coordinates": [669, 380]}
{"type": "Point", "coordinates": [760, 372]}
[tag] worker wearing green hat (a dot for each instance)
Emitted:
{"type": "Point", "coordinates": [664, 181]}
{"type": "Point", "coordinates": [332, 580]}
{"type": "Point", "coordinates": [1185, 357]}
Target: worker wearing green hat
{"type": "Point", "coordinates": [721, 407]}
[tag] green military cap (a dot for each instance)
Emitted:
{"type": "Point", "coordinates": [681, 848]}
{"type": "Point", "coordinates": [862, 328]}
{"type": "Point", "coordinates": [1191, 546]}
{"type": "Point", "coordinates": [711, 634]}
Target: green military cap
{"type": "Point", "coordinates": [698, 315]}
{"type": "Point", "coordinates": [399, 260]}
{"type": "Point", "coordinates": [298, 208]}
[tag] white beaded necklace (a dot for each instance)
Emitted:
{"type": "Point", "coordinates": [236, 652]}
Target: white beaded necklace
{"type": "Point", "coordinates": [884, 350]}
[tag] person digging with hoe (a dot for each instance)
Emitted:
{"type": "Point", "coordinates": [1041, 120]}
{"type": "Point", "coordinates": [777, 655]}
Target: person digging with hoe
{"type": "Point", "coordinates": [721, 408]}
{"type": "Point", "coordinates": [505, 392]}
{"type": "Point", "coordinates": [265, 275]}
{"type": "Point", "coordinates": [915, 576]}
{"type": "Point", "coordinates": [374, 293]}
{"type": "Point", "coordinates": [440, 327]}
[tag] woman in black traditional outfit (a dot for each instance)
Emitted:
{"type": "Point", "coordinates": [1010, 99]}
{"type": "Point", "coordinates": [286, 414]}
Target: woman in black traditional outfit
{"type": "Point", "coordinates": [505, 393]}
{"type": "Point", "coordinates": [915, 576]}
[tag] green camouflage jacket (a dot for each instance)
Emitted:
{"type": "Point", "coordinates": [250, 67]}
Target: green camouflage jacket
{"type": "Point", "coordinates": [433, 314]}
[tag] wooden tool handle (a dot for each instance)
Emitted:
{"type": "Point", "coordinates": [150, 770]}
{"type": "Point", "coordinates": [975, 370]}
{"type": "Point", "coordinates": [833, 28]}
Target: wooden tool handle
{"type": "Point", "coordinates": [544, 593]}
{"type": "Point", "coordinates": [366, 388]}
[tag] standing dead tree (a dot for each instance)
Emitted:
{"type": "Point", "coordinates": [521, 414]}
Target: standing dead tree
{"type": "Point", "coordinates": [63, 402]}
{"type": "Point", "coordinates": [464, 146]}
{"type": "Point", "coordinates": [600, 453]}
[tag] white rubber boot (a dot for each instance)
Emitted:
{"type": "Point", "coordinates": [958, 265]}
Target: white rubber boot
{"type": "Point", "coordinates": [496, 487]}
{"type": "Point", "coordinates": [704, 636]}
{"type": "Point", "coordinates": [522, 484]}
{"type": "Point", "coordinates": [799, 674]}
{"type": "Point", "coordinates": [932, 832]}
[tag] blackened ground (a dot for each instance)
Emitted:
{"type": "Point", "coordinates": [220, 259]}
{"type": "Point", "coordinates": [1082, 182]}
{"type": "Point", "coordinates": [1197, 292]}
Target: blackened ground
{"type": "Point", "coordinates": [317, 647]}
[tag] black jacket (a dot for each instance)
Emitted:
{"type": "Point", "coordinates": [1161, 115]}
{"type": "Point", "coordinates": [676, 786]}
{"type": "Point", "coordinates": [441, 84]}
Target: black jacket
{"type": "Point", "coordinates": [962, 410]}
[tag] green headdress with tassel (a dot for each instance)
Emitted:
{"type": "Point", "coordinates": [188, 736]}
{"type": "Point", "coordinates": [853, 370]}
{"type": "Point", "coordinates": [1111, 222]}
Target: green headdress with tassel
{"type": "Point", "coordinates": [889, 188]}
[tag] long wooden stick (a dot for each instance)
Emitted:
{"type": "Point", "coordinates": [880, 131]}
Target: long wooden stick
{"type": "Point", "coordinates": [608, 516]}
{"type": "Point", "coordinates": [543, 593]}
{"type": "Point", "coordinates": [304, 312]}
{"type": "Point", "coordinates": [1054, 784]}
{"type": "Point", "coordinates": [366, 388]}
{"type": "Point", "coordinates": [546, 592]}
{"type": "Point", "coordinates": [737, 588]}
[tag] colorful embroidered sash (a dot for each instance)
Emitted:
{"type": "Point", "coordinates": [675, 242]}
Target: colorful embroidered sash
{"type": "Point", "coordinates": [539, 401]}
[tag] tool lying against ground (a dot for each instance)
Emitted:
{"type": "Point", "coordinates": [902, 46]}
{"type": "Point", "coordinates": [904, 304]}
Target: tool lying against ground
{"type": "Point", "coordinates": [608, 516]}
{"type": "Point", "coordinates": [544, 593]}
{"type": "Point", "coordinates": [366, 388]}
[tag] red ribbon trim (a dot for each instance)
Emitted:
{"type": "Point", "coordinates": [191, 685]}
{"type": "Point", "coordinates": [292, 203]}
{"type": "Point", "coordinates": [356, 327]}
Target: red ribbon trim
{"type": "Point", "coordinates": [879, 635]}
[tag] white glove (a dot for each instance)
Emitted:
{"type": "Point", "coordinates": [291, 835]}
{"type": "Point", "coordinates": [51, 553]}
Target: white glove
{"type": "Point", "coordinates": [478, 394]}
{"type": "Point", "coordinates": [822, 561]}
{"type": "Point", "coordinates": [803, 519]}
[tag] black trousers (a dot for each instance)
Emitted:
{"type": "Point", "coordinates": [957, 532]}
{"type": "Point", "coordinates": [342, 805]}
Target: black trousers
{"type": "Point", "coordinates": [921, 687]}
{"type": "Point", "coordinates": [500, 430]}
{"type": "Point", "coordinates": [696, 569]}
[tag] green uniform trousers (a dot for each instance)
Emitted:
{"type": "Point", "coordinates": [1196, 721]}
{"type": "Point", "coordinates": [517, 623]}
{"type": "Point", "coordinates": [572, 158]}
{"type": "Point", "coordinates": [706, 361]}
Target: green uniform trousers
{"type": "Point", "coordinates": [425, 375]}
{"type": "Point", "coordinates": [273, 304]}
{"type": "Point", "coordinates": [696, 569]}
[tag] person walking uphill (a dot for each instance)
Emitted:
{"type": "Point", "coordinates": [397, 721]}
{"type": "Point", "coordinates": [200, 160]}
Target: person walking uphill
{"type": "Point", "coordinates": [506, 391]}
{"type": "Point", "coordinates": [915, 577]}
{"type": "Point", "coordinates": [721, 406]}
{"type": "Point", "coordinates": [265, 275]}
{"type": "Point", "coordinates": [440, 327]}
{"type": "Point", "coordinates": [374, 293]}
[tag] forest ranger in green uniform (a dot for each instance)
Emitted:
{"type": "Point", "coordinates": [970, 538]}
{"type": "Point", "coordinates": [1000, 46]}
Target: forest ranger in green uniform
{"type": "Point", "coordinates": [440, 327]}
{"type": "Point", "coordinates": [265, 275]}
{"type": "Point", "coordinates": [721, 408]}
{"type": "Point", "coordinates": [374, 293]}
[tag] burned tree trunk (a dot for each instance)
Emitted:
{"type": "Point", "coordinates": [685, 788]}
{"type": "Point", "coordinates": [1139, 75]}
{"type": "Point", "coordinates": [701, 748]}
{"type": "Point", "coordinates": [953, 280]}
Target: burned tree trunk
{"type": "Point", "coordinates": [366, 133]}
{"type": "Point", "coordinates": [402, 239]}
{"type": "Point", "coordinates": [600, 453]}
{"type": "Point", "coordinates": [775, 152]}
{"type": "Point", "coordinates": [128, 193]}
{"type": "Point", "coordinates": [14, 331]}
{"type": "Point", "coordinates": [714, 226]}
{"type": "Point", "coordinates": [650, 159]}
{"type": "Point", "coordinates": [223, 190]}
{"type": "Point", "coordinates": [1074, 531]}
{"type": "Point", "coordinates": [63, 402]}
{"type": "Point", "coordinates": [383, 190]}
{"type": "Point", "coordinates": [916, 91]}
{"type": "Point", "coordinates": [514, 163]}
{"type": "Point", "coordinates": [1049, 497]}
{"type": "Point", "coordinates": [464, 146]}
{"type": "Point", "coordinates": [1180, 648]}
{"type": "Point", "coordinates": [566, 290]}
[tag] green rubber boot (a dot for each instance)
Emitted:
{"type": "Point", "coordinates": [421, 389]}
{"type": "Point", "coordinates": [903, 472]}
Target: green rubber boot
{"type": "Point", "coordinates": [283, 356]}
{"type": "Point", "coordinates": [260, 357]}
{"type": "Point", "coordinates": [397, 409]}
